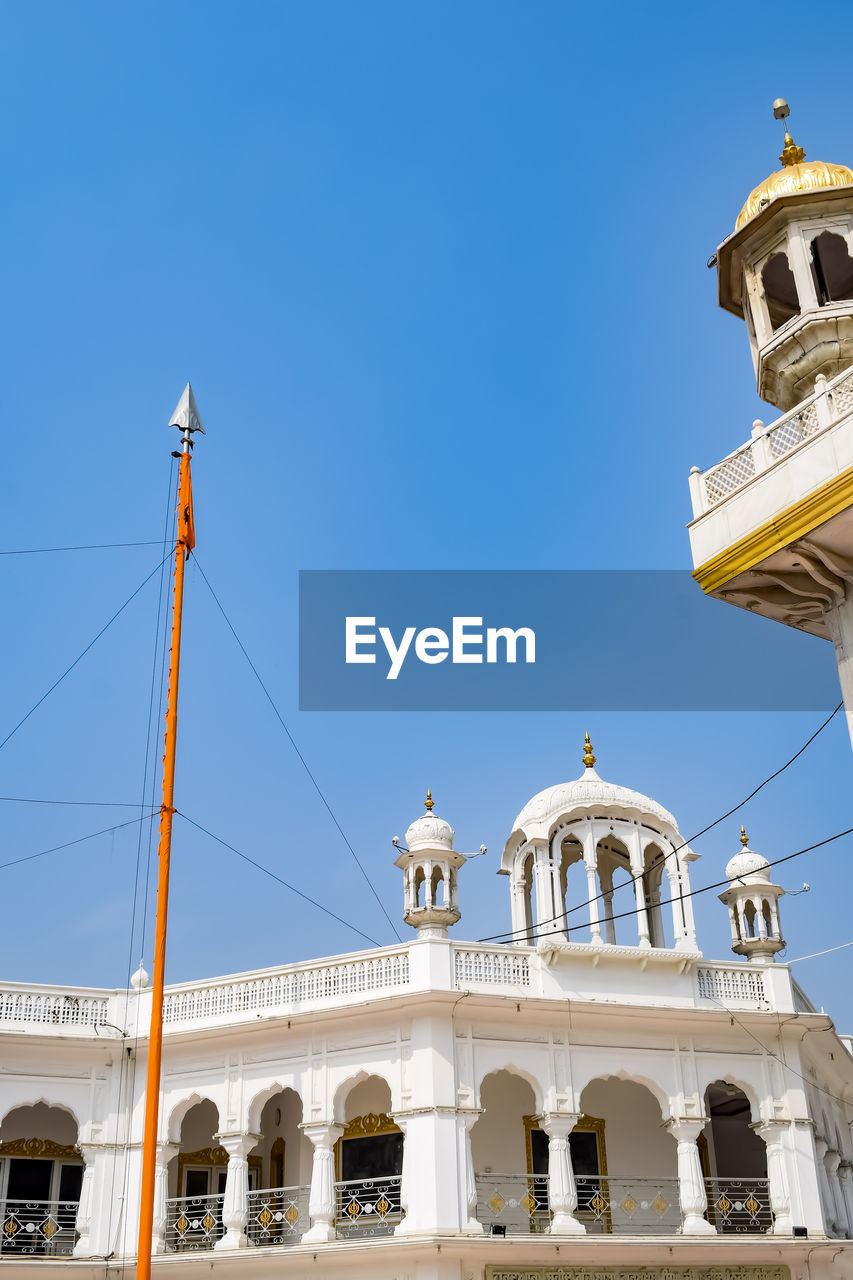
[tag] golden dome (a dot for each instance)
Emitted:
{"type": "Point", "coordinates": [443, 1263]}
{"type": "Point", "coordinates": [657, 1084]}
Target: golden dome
{"type": "Point", "coordinates": [792, 179]}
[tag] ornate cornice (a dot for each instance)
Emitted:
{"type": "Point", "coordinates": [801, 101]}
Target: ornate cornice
{"type": "Point", "coordinates": [370, 1125]}
{"type": "Point", "coordinates": [39, 1149]}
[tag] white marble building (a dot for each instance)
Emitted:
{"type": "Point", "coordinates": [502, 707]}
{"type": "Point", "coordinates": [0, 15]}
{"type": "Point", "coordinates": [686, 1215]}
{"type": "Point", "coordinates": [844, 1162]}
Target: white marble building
{"type": "Point", "coordinates": [593, 1099]}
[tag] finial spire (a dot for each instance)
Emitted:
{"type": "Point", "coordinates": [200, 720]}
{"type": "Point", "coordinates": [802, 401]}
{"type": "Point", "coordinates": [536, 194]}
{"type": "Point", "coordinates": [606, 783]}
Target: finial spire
{"type": "Point", "coordinates": [429, 802]}
{"type": "Point", "coordinates": [791, 153]}
{"type": "Point", "coordinates": [588, 757]}
{"type": "Point", "coordinates": [744, 838]}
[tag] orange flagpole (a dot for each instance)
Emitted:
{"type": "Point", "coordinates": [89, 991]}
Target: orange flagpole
{"type": "Point", "coordinates": [184, 543]}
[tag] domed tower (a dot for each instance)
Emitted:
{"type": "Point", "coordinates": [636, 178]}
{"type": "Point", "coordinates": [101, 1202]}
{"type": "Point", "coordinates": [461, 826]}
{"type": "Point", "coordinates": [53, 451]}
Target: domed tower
{"type": "Point", "coordinates": [753, 903]}
{"type": "Point", "coordinates": [772, 527]}
{"type": "Point", "coordinates": [574, 845]}
{"type": "Point", "coordinates": [788, 272]}
{"type": "Point", "coordinates": [430, 865]}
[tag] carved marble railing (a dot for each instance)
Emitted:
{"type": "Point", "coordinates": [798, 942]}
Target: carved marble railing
{"type": "Point", "coordinates": [727, 985]}
{"type": "Point", "coordinates": [491, 966]}
{"type": "Point", "coordinates": [34, 1008]}
{"type": "Point", "coordinates": [291, 988]}
{"type": "Point", "coordinates": [830, 402]}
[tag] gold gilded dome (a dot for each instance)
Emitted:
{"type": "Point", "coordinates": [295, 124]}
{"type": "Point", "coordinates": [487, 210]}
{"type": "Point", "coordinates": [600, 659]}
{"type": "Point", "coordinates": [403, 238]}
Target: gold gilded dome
{"type": "Point", "coordinates": [793, 178]}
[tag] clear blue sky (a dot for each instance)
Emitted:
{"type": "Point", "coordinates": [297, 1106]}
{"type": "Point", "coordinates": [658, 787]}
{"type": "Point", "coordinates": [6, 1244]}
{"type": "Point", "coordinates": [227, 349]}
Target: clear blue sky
{"type": "Point", "coordinates": [437, 273]}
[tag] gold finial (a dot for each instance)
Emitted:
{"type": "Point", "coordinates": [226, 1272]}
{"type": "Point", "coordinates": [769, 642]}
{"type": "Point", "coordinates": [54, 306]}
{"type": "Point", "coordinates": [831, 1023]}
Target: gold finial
{"type": "Point", "coordinates": [744, 838]}
{"type": "Point", "coordinates": [588, 757]}
{"type": "Point", "coordinates": [429, 801]}
{"type": "Point", "coordinates": [791, 153]}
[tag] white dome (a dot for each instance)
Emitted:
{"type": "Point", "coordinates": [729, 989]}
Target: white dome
{"type": "Point", "coordinates": [430, 832]}
{"type": "Point", "coordinates": [586, 792]}
{"type": "Point", "coordinates": [140, 980]}
{"type": "Point", "coordinates": [750, 866]}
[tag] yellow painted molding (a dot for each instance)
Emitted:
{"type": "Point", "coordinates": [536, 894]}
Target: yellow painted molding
{"type": "Point", "coordinates": [792, 523]}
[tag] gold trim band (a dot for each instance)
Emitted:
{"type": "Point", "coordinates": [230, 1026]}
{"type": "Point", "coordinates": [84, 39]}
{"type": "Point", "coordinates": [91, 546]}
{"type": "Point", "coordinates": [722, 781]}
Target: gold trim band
{"type": "Point", "coordinates": [794, 522]}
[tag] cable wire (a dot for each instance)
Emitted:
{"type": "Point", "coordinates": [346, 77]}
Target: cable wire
{"type": "Point", "coordinates": [93, 546]}
{"type": "Point", "coordinates": [632, 879]}
{"type": "Point", "coordinates": [692, 893]}
{"type": "Point", "coordinates": [80, 839]}
{"type": "Point", "coordinates": [273, 876]}
{"type": "Point", "coordinates": [292, 741]}
{"type": "Point", "coordinates": [814, 955]}
{"type": "Point", "coordinates": [91, 804]}
{"type": "Point", "coordinates": [82, 655]}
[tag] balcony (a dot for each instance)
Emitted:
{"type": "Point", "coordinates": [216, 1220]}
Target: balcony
{"type": "Point", "coordinates": [37, 1228]}
{"type": "Point", "coordinates": [621, 1205]}
{"type": "Point", "coordinates": [364, 1207]}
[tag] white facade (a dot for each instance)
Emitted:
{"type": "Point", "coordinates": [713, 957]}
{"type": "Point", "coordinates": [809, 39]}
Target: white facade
{"type": "Point", "coordinates": [596, 1091]}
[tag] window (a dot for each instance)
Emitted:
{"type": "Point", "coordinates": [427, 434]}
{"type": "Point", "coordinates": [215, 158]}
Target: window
{"type": "Point", "coordinates": [780, 290]}
{"type": "Point", "coordinates": [832, 268]}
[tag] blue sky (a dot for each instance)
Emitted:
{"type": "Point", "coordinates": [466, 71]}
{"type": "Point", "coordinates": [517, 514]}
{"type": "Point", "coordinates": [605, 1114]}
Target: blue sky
{"type": "Point", "coordinates": [437, 273]}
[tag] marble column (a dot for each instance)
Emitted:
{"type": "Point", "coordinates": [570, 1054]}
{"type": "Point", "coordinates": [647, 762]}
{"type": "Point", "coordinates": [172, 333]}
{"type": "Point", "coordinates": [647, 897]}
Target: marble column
{"type": "Point", "coordinates": [235, 1202]}
{"type": "Point", "coordinates": [832, 1161]}
{"type": "Point", "coordinates": [467, 1120]}
{"type": "Point", "coordinates": [826, 1196]}
{"type": "Point", "coordinates": [83, 1223]}
{"type": "Point", "coordinates": [772, 1132]}
{"type": "Point", "coordinates": [691, 1182]}
{"type": "Point", "coordinates": [166, 1151]}
{"type": "Point", "coordinates": [845, 1179]}
{"type": "Point", "coordinates": [321, 1203]}
{"type": "Point", "coordinates": [562, 1193]}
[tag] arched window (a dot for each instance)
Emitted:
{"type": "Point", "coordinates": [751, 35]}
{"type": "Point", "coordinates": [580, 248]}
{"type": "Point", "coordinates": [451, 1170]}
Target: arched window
{"type": "Point", "coordinates": [419, 884]}
{"type": "Point", "coordinates": [780, 290]}
{"type": "Point", "coordinates": [749, 917]}
{"type": "Point", "coordinates": [768, 919]}
{"type": "Point", "coordinates": [832, 268]}
{"type": "Point", "coordinates": [436, 881]}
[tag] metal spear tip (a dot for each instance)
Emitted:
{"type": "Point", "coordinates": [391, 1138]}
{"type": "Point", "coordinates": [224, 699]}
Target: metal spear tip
{"type": "Point", "coordinates": [186, 416]}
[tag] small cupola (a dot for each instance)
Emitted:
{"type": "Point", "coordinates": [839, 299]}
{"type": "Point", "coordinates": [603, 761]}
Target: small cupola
{"type": "Point", "coordinates": [788, 272]}
{"type": "Point", "coordinates": [430, 866]}
{"type": "Point", "coordinates": [753, 903]}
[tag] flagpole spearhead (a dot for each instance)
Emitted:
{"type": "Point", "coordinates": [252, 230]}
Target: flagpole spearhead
{"type": "Point", "coordinates": [187, 418]}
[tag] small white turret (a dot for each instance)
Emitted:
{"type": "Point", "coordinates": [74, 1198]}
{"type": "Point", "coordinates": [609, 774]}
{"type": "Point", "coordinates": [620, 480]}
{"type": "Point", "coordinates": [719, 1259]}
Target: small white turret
{"type": "Point", "coordinates": [430, 865]}
{"type": "Point", "coordinates": [753, 903]}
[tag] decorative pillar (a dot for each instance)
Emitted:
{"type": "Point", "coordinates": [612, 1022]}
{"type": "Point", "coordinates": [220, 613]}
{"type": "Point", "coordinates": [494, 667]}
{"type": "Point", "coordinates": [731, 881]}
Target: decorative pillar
{"type": "Point", "coordinates": [235, 1202]}
{"type": "Point", "coordinates": [562, 1193]}
{"type": "Point", "coordinates": [845, 1179]}
{"type": "Point", "coordinates": [691, 1183]}
{"type": "Point", "coordinates": [637, 869]}
{"type": "Point", "coordinates": [772, 1132]}
{"type": "Point", "coordinates": [321, 1203]}
{"type": "Point", "coordinates": [166, 1151]}
{"type": "Point", "coordinates": [826, 1196]}
{"type": "Point", "coordinates": [590, 861]}
{"type": "Point", "coordinates": [472, 1226]}
{"type": "Point", "coordinates": [83, 1224]}
{"type": "Point", "coordinates": [831, 1161]}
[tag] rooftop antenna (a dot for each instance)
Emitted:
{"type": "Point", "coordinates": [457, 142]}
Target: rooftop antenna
{"type": "Point", "coordinates": [188, 420]}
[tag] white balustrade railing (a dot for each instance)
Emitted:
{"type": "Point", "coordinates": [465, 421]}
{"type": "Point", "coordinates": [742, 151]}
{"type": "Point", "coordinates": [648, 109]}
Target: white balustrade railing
{"type": "Point", "coordinates": [735, 984]}
{"type": "Point", "coordinates": [829, 403]}
{"type": "Point", "coordinates": [51, 1009]}
{"type": "Point", "coordinates": [491, 966]}
{"type": "Point", "coordinates": [289, 988]}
